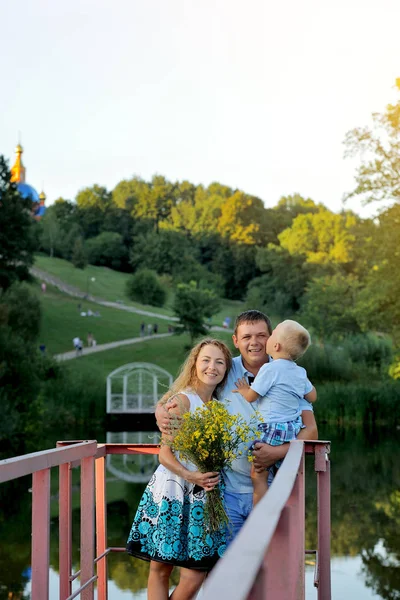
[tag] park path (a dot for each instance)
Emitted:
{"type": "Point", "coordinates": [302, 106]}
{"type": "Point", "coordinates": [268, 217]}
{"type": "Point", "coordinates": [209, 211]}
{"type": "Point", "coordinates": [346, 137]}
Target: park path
{"type": "Point", "coordinates": [77, 293]}
{"type": "Point", "coordinates": [109, 346]}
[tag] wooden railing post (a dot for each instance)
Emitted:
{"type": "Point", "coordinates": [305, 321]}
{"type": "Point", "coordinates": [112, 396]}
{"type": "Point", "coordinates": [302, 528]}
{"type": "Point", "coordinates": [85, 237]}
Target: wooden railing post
{"type": "Point", "coordinates": [101, 527]}
{"type": "Point", "coordinates": [65, 530]}
{"type": "Point", "coordinates": [87, 526]}
{"type": "Point", "coordinates": [40, 534]}
{"type": "Point", "coordinates": [322, 466]}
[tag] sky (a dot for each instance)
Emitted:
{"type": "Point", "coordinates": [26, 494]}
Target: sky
{"type": "Point", "coordinates": [256, 94]}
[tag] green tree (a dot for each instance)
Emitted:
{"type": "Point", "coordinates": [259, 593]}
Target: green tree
{"type": "Point", "coordinates": [192, 305]}
{"type": "Point", "coordinates": [145, 287]}
{"type": "Point", "coordinates": [20, 310]}
{"type": "Point", "coordinates": [16, 231]}
{"type": "Point", "coordinates": [50, 232]}
{"type": "Point", "coordinates": [322, 238]}
{"type": "Point", "coordinates": [79, 258]}
{"type": "Point", "coordinates": [107, 249]}
{"type": "Point", "coordinates": [328, 306]}
{"type": "Point", "coordinates": [378, 175]}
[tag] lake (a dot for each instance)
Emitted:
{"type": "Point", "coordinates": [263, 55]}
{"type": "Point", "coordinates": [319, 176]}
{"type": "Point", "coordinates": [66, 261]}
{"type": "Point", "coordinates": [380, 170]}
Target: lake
{"type": "Point", "coordinates": [365, 520]}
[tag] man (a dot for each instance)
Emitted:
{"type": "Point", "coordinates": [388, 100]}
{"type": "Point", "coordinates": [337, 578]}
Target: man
{"type": "Point", "coordinates": [252, 329]}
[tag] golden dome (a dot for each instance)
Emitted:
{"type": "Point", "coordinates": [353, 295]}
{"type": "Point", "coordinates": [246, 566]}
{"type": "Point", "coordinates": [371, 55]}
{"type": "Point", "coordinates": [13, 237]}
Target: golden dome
{"type": "Point", "coordinates": [42, 196]}
{"type": "Point", "coordinates": [19, 149]}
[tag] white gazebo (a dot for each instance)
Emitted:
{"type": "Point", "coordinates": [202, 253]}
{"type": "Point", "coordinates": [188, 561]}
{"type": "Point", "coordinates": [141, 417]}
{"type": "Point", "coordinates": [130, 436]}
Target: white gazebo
{"type": "Point", "coordinates": [136, 388]}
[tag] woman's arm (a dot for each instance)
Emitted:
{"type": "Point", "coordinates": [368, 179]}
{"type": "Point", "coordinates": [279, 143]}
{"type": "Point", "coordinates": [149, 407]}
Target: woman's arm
{"type": "Point", "coordinates": [205, 480]}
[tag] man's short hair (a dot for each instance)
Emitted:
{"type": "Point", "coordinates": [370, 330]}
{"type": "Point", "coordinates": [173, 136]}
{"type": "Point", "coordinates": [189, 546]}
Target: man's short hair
{"type": "Point", "coordinates": [294, 338]}
{"type": "Point", "coordinates": [252, 316]}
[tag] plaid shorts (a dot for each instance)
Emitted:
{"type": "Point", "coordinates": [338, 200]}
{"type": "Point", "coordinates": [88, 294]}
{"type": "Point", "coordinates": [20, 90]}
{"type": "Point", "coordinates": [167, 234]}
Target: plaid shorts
{"type": "Point", "coordinates": [276, 434]}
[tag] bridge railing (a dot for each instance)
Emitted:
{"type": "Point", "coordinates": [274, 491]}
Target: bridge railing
{"type": "Point", "coordinates": [265, 561]}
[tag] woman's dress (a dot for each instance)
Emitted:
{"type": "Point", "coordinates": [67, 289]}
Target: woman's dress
{"type": "Point", "coordinates": [169, 524]}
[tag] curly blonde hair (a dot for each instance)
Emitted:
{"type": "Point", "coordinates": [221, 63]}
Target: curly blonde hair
{"type": "Point", "coordinates": [187, 378]}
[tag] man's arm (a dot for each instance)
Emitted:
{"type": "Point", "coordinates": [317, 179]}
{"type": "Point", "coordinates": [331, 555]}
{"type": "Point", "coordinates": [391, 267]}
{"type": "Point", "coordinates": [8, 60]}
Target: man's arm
{"type": "Point", "coordinates": [266, 455]}
{"type": "Point", "coordinates": [163, 417]}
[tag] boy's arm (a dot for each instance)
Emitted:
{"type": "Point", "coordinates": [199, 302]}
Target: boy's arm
{"type": "Point", "coordinates": [243, 388]}
{"type": "Point", "coordinates": [311, 396]}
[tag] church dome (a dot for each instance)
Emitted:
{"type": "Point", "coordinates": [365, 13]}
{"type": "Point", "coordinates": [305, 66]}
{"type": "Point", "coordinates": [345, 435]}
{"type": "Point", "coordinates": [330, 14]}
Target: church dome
{"type": "Point", "coordinates": [27, 191]}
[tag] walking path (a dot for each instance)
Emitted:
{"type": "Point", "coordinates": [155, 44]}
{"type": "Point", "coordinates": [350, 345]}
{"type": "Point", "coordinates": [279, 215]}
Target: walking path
{"type": "Point", "coordinates": [109, 346]}
{"type": "Point", "coordinates": [74, 291]}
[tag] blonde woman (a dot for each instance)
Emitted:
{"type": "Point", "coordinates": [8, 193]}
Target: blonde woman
{"type": "Point", "coordinates": [169, 527]}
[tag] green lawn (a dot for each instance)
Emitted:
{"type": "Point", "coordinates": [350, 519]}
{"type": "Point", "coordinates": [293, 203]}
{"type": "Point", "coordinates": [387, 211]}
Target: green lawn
{"type": "Point", "coordinates": [168, 353]}
{"type": "Point", "coordinates": [62, 321]}
{"type": "Point", "coordinates": [110, 285]}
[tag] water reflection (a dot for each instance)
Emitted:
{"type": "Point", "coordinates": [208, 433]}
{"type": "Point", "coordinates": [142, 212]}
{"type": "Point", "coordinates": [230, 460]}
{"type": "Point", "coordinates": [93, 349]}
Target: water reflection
{"type": "Point", "coordinates": [365, 521]}
{"type": "Point", "coordinates": [132, 468]}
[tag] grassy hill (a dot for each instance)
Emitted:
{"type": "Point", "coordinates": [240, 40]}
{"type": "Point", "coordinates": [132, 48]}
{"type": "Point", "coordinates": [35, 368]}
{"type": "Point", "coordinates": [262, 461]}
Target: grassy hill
{"type": "Point", "coordinates": [110, 285]}
{"type": "Point", "coordinates": [62, 321]}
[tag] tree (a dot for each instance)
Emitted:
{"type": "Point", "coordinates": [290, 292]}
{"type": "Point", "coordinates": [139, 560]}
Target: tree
{"type": "Point", "coordinates": [107, 249]}
{"type": "Point", "coordinates": [192, 306]}
{"type": "Point", "coordinates": [17, 243]}
{"type": "Point", "coordinates": [378, 175]}
{"type": "Point", "coordinates": [50, 231]}
{"type": "Point", "coordinates": [20, 310]}
{"type": "Point", "coordinates": [145, 287]}
{"type": "Point", "coordinates": [328, 306]}
{"type": "Point", "coordinates": [79, 258]}
{"type": "Point", "coordinates": [322, 238]}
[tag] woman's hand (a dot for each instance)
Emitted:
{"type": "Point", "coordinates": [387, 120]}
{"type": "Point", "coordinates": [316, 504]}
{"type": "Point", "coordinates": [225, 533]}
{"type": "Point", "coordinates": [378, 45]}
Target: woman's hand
{"type": "Point", "coordinates": [208, 481]}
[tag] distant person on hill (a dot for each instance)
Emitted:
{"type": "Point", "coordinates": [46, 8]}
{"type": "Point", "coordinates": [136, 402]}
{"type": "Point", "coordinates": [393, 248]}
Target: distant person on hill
{"type": "Point", "coordinates": [142, 328]}
{"type": "Point", "coordinates": [90, 339]}
{"type": "Point", "coordinates": [279, 387]}
{"type": "Point", "coordinates": [155, 328]}
{"type": "Point", "coordinates": [78, 345]}
{"type": "Point", "coordinates": [43, 287]}
{"type": "Point", "coordinates": [149, 329]}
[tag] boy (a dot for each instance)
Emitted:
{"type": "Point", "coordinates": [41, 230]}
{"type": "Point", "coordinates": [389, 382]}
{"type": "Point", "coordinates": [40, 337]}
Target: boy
{"type": "Point", "coordinates": [278, 387]}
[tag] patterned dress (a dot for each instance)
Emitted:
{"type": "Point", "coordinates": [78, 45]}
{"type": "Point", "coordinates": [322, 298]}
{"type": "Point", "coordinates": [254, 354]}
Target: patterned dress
{"type": "Point", "coordinates": [169, 524]}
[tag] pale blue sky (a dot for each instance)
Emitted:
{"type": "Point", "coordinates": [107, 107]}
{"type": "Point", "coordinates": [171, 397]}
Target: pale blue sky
{"type": "Point", "coordinates": [255, 94]}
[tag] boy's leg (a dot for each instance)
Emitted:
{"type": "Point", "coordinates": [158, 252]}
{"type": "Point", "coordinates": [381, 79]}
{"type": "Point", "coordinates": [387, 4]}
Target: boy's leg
{"type": "Point", "coordinates": [260, 484]}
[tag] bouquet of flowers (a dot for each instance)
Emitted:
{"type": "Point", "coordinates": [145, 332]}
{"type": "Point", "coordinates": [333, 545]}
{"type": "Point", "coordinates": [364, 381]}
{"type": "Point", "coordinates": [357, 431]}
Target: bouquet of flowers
{"type": "Point", "coordinates": [210, 438]}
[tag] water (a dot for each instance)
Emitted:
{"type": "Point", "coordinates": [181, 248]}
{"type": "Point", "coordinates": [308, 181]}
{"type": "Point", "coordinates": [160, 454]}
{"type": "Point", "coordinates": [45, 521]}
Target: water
{"type": "Point", "coordinates": [365, 521]}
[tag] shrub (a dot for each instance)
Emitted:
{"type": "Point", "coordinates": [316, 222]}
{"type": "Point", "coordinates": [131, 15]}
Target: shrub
{"type": "Point", "coordinates": [145, 287]}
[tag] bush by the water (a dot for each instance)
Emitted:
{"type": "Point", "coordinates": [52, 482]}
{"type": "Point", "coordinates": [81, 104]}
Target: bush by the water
{"type": "Point", "coordinates": [144, 286]}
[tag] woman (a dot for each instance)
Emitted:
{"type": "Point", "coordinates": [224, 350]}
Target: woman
{"type": "Point", "coordinates": [169, 527]}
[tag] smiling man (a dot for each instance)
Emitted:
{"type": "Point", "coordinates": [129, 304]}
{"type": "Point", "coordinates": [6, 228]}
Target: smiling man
{"type": "Point", "coordinates": [252, 330]}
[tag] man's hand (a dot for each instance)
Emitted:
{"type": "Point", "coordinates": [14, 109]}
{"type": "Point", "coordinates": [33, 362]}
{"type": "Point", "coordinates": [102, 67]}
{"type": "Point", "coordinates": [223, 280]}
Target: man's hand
{"type": "Point", "coordinates": [266, 455]}
{"type": "Point", "coordinates": [166, 422]}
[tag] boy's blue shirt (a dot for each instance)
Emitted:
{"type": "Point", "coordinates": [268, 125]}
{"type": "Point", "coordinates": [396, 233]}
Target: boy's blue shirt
{"type": "Point", "coordinates": [237, 478]}
{"type": "Point", "coordinates": [281, 385]}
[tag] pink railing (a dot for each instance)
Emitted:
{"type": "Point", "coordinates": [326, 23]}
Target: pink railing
{"type": "Point", "coordinates": [266, 560]}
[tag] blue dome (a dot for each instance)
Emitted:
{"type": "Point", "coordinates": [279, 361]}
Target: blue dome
{"type": "Point", "coordinates": [27, 191]}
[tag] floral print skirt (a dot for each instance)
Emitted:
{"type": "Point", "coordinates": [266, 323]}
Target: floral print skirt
{"type": "Point", "coordinates": [169, 525]}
